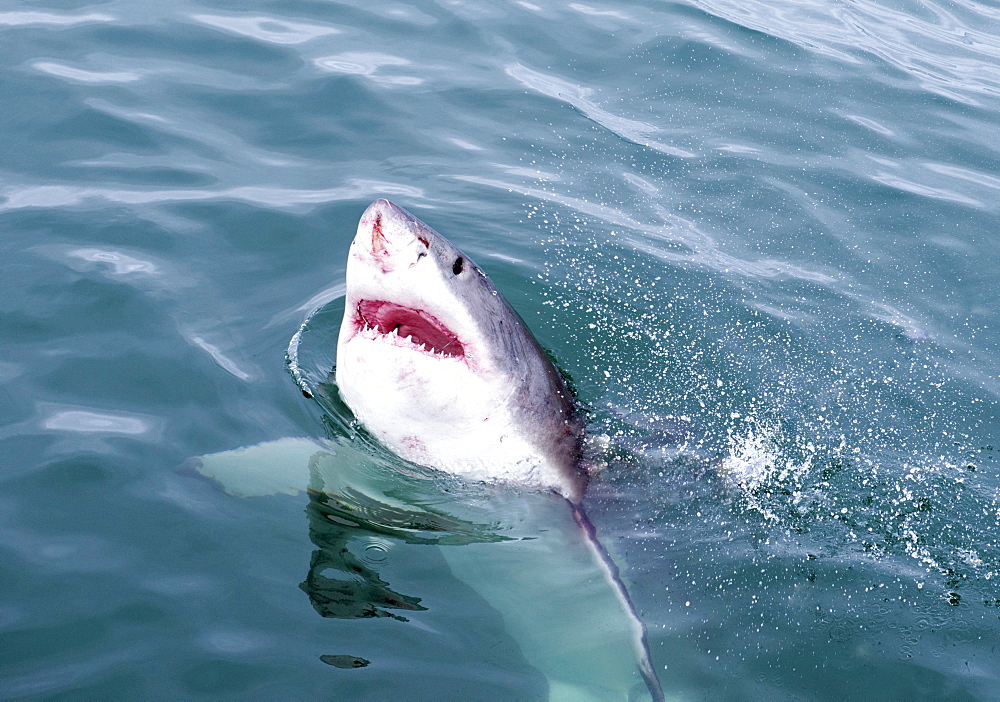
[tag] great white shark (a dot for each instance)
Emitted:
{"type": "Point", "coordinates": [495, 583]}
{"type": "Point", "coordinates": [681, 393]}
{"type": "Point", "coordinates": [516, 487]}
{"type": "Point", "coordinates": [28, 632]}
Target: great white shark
{"type": "Point", "coordinates": [438, 366]}
{"type": "Point", "coordinates": [440, 369]}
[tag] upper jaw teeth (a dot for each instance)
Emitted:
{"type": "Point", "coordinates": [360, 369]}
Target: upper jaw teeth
{"type": "Point", "coordinates": [372, 332]}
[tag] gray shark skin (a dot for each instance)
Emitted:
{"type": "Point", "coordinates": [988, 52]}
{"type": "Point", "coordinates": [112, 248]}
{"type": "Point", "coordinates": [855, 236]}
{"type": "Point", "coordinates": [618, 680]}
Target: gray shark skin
{"type": "Point", "coordinates": [436, 364]}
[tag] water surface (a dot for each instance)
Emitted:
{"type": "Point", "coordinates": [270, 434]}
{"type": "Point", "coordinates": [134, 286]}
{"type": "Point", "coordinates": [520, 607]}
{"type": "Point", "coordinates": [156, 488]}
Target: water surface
{"type": "Point", "coordinates": [759, 237]}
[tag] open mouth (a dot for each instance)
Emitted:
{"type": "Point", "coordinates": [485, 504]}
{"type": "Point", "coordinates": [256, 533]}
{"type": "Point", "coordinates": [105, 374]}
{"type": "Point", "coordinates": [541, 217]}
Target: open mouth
{"type": "Point", "coordinates": [408, 325]}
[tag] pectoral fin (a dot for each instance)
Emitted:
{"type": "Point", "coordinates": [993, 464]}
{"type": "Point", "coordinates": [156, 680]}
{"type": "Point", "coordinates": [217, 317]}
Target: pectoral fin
{"type": "Point", "coordinates": [272, 468]}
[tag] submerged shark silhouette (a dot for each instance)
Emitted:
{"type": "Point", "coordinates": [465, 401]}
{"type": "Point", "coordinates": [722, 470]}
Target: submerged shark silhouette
{"type": "Point", "coordinates": [438, 367]}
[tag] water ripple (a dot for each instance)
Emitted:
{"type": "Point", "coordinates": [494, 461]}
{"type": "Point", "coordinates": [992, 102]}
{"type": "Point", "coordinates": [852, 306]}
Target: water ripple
{"type": "Point", "coordinates": [268, 29]}
{"type": "Point", "coordinates": [596, 12]}
{"type": "Point", "coordinates": [221, 359]}
{"type": "Point", "coordinates": [12, 19]}
{"type": "Point", "coordinates": [88, 422]}
{"type": "Point", "coordinates": [579, 97]}
{"type": "Point", "coordinates": [84, 76]}
{"type": "Point", "coordinates": [952, 55]}
{"type": "Point", "coordinates": [117, 262]}
{"type": "Point", "coordinates": [698, 247]}
{"type": "Point", "coordinates": [70, 196]}
{"type": "Point", "coordinates": [908, 184]}
{"type": "Point", "coordinates": [367, 64]}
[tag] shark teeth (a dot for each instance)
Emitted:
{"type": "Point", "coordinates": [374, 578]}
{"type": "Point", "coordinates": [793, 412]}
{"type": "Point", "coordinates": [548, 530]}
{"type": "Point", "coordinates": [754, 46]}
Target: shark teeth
{"type": "Point", "coordinates": [400, 325]}
{"type": "Point", "coordinates": [394, 338]}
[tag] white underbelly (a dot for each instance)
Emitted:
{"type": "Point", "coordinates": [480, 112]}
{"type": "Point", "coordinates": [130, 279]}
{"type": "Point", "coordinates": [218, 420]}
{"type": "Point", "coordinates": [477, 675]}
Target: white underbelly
{"type": "Point", "coordinates": [436, 412]}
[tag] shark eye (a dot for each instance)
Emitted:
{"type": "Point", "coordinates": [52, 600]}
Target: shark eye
{"type": "Point", "coordinates": [459, 264]}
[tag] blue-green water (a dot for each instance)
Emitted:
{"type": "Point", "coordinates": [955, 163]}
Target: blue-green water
{"type": "Point", "coordinates": [762, 239]}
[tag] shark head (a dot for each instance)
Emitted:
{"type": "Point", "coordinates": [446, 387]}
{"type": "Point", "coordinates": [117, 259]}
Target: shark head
{"type": "Point", "coordinates": [436, 364]}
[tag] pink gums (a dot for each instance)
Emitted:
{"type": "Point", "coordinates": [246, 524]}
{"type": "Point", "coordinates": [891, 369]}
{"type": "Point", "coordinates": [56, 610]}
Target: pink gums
{"type": "Point", "coordinates": [421, 327]}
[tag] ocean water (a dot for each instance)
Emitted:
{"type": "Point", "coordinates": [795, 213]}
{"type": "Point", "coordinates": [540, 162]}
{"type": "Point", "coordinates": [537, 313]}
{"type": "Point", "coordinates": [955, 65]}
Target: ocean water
{"type": "Point", "coordinates": [761, 238]}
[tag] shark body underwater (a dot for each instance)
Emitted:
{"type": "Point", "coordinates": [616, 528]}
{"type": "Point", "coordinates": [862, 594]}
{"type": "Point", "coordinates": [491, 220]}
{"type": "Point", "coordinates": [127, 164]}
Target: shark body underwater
{"type": "Point", "coordinates": [438, 367]}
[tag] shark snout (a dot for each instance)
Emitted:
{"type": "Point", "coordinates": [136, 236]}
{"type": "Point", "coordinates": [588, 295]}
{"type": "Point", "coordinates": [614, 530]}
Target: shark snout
{"type": "Point", "coordinates": [392, 235]}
